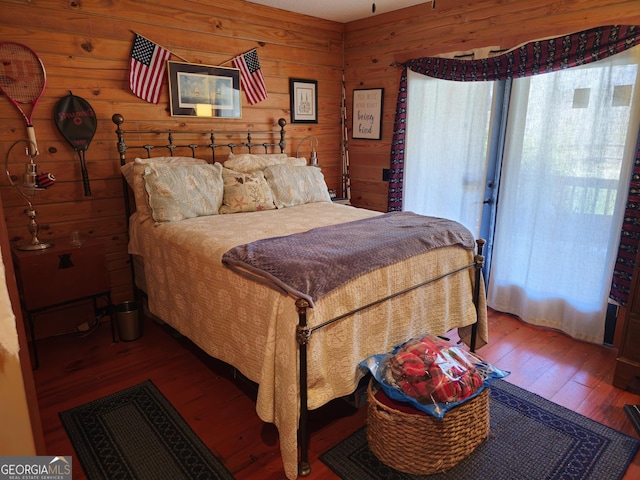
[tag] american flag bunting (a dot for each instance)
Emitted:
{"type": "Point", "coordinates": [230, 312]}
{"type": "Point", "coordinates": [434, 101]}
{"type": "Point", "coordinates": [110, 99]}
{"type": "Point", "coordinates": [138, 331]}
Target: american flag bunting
{"type": "Point", "coordinates": [251, 76]}
{"type": "Point", "coordinates": [146, 69]}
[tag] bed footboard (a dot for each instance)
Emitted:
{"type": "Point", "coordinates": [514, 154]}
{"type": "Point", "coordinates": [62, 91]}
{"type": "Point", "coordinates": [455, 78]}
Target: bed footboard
{"type": "Point", "coordinates": [304, 332]}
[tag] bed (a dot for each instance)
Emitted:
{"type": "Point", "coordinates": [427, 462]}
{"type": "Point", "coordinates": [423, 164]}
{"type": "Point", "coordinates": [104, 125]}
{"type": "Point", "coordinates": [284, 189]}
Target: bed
{"type": "Point", "coordinates": [301, 352]}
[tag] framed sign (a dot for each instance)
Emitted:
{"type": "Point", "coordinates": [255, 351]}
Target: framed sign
{"type": "Point", "coordinates": [197, 90]}
{"type": "Point", "coordinates": [304, 100]}
{"type": "Point", "coordinates": [367, 113]}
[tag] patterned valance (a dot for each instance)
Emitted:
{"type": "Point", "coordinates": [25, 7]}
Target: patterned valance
{"type": "Point", "coordinates": [541, 56]}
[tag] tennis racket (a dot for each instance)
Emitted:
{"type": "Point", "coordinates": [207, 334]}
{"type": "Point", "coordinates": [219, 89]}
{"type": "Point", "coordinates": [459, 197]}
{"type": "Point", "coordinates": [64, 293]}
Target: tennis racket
{"type": "Point", "coordinates": [22, 80]}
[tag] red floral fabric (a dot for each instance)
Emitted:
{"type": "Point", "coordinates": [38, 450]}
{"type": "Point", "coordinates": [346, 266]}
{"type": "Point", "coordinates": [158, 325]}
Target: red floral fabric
{"type": "Point", "coordinates": [432, 371]}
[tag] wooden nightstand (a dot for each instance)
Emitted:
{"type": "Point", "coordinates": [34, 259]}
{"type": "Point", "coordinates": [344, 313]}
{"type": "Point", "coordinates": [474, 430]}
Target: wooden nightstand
{"type": "Point", "coordinates": [60, 275]}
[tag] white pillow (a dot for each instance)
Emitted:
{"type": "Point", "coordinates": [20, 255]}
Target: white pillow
{"type": "Point", "coordinates": [295, 185]}
{"type": "Point", "coordinates": [181, 191]}
{"type": "Point", "coordinates": [250, 162]}
{"type": "Point", "coordinates": [133, 173]}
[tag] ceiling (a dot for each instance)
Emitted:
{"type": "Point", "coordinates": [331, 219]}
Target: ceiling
{"type": "Point", "coordinates": [339, 10]}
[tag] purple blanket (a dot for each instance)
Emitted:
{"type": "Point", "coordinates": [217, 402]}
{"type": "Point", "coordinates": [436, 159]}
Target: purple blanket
{"type": "Point", "coordinates": [311, 264]}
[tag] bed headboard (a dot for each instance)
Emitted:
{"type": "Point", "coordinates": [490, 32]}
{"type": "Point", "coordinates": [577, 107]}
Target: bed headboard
{"type": "Point", "coordinates": [197, 143]}
{"type": "Point", "coordinates": [205, 144]}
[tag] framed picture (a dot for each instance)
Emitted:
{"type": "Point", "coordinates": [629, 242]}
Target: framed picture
{"type": "Point", "coordinates": [367, 113]}
{"type": "Point", "coordinates": [197, 90]}
{"type": "Point", "coordinates": [304, 100]}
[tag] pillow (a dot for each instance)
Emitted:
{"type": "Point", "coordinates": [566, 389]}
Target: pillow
{"type": "Point", "coordinates": [183, 190]}
{"type": "Point", "coordinates": [295, 185]}
{"type": "Point", "coordinates": [296, 161]}
{"type": "Point", "coordinates": [250, 162]}
{"type": "Point", "coordinates": [245, 192]}
{"type": "Point", "coordinates": [133, 173]}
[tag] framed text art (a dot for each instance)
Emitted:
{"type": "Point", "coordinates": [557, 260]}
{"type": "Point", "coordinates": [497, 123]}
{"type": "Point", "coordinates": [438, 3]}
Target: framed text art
{"type": "Point", "coordinates": [304, 100]}
{"type": "Point", "coordinates": [197, 90]}
{"type": "Point", "coordinates": [367, 113]}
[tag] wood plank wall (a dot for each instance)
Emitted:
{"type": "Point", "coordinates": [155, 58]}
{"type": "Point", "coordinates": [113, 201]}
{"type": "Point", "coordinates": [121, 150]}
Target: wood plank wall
{"type": "Point", "coordinates": [85, 47]}
{"type": "Point", "coordinates": [373, 44]}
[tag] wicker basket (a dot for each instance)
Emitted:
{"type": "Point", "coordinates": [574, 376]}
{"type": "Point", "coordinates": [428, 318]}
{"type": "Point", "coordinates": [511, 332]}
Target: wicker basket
{"type": "Point", "coordinates": [423, 444]}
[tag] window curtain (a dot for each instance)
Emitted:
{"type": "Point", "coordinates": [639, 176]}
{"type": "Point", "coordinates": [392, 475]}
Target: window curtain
{"type": "Point", "coordinates": [530, 59]}
{"type": "Point", "coordinates": [568, 153]}
{"type": "Point", "coordinates": [629, 238]}
{"type": "Point", "coordinates": [442, 149]}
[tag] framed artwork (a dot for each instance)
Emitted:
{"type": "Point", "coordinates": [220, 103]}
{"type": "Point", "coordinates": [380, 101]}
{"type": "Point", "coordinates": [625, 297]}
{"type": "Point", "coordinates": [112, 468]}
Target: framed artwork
{"type": "Point", "coordinates": [304, 100]}
{"type": "Point", "coordinates": [197, 90]}
{"type": "Point", "coordinates": [367, 113]}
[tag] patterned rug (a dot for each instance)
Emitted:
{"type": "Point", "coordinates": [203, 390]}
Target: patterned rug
{"type": "Point", "coordinates": [137, 434]}
{"type": "Point", "coordinates": [530, 439]}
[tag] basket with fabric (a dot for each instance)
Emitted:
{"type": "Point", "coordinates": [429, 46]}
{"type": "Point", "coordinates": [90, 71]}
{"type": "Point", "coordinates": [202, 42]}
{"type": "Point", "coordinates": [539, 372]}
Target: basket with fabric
{"type": "Point", "coordinates": [414, 442]}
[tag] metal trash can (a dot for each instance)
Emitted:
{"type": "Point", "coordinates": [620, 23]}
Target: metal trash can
{"type": "Point", "coordinates": [129, 321]}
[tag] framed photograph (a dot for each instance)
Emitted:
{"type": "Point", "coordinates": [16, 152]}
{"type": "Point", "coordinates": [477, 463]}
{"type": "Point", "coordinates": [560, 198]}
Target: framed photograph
{"type": "Point", "coordinates": [367, 113]}
{"type": "Point", "coordinates": [304, 100]}
{"type": "Point", "coordinates": [197, 90]}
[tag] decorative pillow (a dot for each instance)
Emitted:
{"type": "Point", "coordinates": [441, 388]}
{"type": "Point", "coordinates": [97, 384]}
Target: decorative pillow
{"type": "Point", "coordinates": [134, 171]}
{"type": "Point", "coordinates": [245, 192]}
{"type": "Point", "coordinates": [183, 191]}
{"type": "Point", "coordinates": [250, 162]}
{"type": "Point", "coordinates": [296, 185]}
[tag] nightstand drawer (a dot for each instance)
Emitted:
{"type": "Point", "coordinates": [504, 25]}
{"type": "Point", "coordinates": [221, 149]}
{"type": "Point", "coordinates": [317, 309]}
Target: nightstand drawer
{"type": "Point", "coordinates": [61, 273]}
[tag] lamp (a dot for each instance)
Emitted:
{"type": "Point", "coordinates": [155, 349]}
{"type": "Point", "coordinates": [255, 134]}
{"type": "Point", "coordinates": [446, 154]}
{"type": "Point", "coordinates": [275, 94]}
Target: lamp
{"type": "Point", "coordinates": [30, 184]}
{"type": "Point", "coordinates": [313, 159]}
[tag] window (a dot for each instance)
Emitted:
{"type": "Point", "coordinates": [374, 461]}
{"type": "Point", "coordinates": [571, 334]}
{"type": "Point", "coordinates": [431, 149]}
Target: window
{"type": "Point", "coordinates": [566, 153]}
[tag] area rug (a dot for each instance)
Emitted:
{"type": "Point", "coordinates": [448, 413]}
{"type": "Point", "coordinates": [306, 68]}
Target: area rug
{"type": "Point", "coordinates": [530, 439]}
{"type": "Point", "coordinates": [137, 434]}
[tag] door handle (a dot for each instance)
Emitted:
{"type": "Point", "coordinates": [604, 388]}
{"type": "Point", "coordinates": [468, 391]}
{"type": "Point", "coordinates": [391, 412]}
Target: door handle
{"type": "Point", "coordinates": [488, 201]}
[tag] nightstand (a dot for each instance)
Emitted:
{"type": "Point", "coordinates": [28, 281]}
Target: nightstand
{"type": "Point", "coordinates": [61, 275]}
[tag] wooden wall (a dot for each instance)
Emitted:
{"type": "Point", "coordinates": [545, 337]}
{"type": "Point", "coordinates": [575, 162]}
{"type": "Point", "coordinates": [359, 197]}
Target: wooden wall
{"type": "Point", "coordinates": [85, 47]}
{"type": "Point", "coordinates": [373, 44]}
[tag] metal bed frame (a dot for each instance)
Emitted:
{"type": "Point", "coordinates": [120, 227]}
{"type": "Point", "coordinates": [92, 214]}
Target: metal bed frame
{"type": "Point", "coordinates": [272, 140]}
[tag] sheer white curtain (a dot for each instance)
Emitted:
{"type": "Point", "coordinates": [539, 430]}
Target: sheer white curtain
{"type": "Point", "coordinates": [570, 142]}
{"type": "Point", "coordinates": [446, 148]}
{"type": "Point", "coordinates": [571, 137]}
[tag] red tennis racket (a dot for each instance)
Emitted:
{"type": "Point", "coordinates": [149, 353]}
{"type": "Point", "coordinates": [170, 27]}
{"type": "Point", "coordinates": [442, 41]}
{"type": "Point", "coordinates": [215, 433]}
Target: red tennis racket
{"type": "Point", "coordinates": [22, 80]}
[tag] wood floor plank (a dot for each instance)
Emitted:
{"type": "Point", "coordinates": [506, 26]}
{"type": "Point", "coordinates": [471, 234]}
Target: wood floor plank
{"type": "Point", "coordinates": [220, 405]}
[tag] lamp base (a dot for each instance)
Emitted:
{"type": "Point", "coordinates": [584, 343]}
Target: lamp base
{"type": "Point", "coordinates": [34, 246]}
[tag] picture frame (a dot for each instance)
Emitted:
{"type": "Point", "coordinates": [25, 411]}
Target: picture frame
{"type": "Point", "coordinates": [304, 100]}
{"type": "Point", "coordinates": [197, 90]}
{"type": "Point", "coordinates": [367, 113]}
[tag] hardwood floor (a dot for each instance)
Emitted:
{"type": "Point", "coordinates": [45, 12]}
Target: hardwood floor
{"type": "Point", "coordinates": [221, 410]}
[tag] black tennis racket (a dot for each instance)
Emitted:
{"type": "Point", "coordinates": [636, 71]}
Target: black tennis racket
{"type": "Point", "coordinates": [22, 80]}
{"type": "Point", "coordinates": [77, 122]}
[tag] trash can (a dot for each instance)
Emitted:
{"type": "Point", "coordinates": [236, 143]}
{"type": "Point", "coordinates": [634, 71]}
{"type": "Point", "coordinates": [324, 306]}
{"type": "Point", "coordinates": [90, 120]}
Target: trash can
{"type": "Point", "coordinates": [129, 321]}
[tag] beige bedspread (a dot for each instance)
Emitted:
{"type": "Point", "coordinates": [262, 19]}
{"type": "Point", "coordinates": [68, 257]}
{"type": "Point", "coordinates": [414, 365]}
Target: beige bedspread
{"type": "Point", "coordinates": [252, 327]}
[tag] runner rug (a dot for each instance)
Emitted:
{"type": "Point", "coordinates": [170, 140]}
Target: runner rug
{"type": "Point", "coordinates": [530, 439]}
{"type": "Point", "coordinates": [137, 434]}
